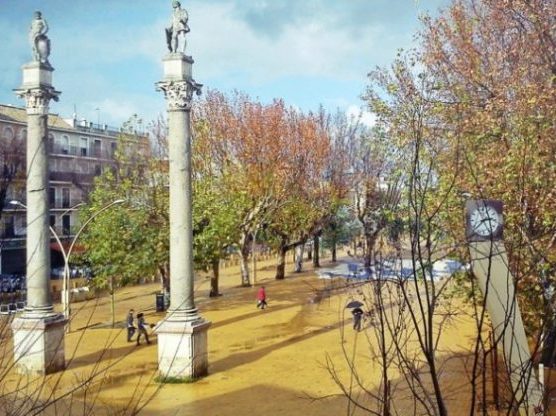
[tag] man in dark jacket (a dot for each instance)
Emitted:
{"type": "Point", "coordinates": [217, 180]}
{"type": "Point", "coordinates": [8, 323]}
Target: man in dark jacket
{"type": "Point", "coordinates": [130, 326]}
{"type": "Point", "coordinates": [141, 328]}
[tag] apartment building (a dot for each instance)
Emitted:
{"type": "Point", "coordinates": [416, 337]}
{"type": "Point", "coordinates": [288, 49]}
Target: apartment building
{"type": "Point", "coordinates": [79, 151]}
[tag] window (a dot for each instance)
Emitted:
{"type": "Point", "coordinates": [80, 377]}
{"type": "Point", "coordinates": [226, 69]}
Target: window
{"type": "Point", "coordinates": [66, 198]}
{"type": "Point", "coordinates": [50, 143]}
{"type": "Point", "coordinates": [23, 134]}
{"type": "Point", "coordinates": [9, 227]}
{"type": "Point", "coordinates": [84, 146]}
{"type": "Point", "coordinates": [113, 149]}
{"type": "Point", "coordinates": [97, 148]}
{"type": "Point", "coordinates": [98, 170]}
{"type": "Point", "coordinates": [65, 145]}
{"type": "Point", "coordinates": [66, 224]}
{"type": "Point", "coordinates": [8, 133]}
{"type": "Point", "coordinates": [52, 196]}
{"type": "Point", "coordinates": [53, 221]}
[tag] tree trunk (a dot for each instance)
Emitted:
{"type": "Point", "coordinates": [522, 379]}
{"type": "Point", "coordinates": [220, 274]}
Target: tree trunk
{"type": "Point", "coordinates": [112, 301]}
{"type": "Point", "coordinates": [281, 266]}
{"type": "Point", "coordinates": [298, 268]}
{"type": "Point", "coordinates": [309, 254]}
{"type": "Point", "coordinates": [370, 242]}
{"type": "Point", "coordinates": [316, 249]}
{"type": "Point", "coordinates": [245, 249]}
{"type": "Point", "coordinates": [164, 279]}
{"type": "Point", "coordinates": [334, 250]}
{"type": "Point", "coordinates": [214, 279]}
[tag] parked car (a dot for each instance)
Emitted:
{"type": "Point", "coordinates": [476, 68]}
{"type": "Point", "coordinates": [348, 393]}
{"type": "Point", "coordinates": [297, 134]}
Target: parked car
{"type": "Point", "coordinates": [74, 272]}
{"type": "Point", "coordinates": [10, 283]}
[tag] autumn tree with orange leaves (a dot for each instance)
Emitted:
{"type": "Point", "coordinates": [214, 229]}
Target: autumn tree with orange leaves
{"type": "Point", "coordinates": [273, 158]}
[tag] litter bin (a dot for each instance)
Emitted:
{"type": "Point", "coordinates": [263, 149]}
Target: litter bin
{"type": "Point", "coordinates": [160, 302]}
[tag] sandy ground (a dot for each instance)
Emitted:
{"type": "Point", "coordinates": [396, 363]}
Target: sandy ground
{"type": "Point", "coordinates": [271, 361]}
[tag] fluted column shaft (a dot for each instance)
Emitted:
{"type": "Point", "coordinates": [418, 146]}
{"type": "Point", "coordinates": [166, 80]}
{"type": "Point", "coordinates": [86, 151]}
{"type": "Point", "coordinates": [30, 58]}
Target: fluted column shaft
{"type": "Point", "coordinates": [181, 224]}
{"type": "Point", "coordinates": [38, 233]}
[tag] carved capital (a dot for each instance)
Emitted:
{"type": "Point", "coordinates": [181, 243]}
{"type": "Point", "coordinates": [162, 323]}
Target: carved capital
{"type": "Point", "coordinates": [37, 100]}
{"type": "Point", "coordinates": [179, 94]}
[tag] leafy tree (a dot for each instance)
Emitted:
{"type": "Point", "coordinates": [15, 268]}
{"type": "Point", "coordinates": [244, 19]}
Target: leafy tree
{"type": "Point", "coordinates": [127, 242]}
{"type": "Point", "coordinates": [342, 228]}
{"type": "Point", "coordinates": [494, 70]}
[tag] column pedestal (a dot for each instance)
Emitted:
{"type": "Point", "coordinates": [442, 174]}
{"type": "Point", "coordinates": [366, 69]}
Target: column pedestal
{"type": "Point", "coordinates": [182, 349]}
{"type": "Point", "coordinates": [39, 344]}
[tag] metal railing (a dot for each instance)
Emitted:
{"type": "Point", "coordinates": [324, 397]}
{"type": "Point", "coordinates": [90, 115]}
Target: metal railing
{"type": "Point", "coordinates": [90, 151]}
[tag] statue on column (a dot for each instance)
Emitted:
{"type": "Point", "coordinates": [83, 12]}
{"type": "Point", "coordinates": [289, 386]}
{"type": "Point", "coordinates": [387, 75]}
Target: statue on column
{"type": "Point", "coordinates": [39, 41]}
{"type": "Point", "coordinates": [178, 26]}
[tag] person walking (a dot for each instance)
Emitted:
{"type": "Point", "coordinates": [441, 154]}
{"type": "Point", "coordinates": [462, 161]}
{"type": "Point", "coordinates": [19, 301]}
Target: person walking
{"type": "Point", "coordinates": [357, 315]}
{"type": "Point", "coordinates": [261, 298]}
{"type": "Point", "coordinates": [141, 329]}
{"type": "Point", "coordinates": [130, 326]}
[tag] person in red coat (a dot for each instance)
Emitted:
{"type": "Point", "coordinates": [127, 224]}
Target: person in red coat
{"type": "Point", "coordinates": [261, 298]}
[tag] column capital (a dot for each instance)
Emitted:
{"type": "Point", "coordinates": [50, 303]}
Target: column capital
{"type": "Point", "coordinates": [37, 100]}
{"type": "Point", "coordinates": [179, 94]}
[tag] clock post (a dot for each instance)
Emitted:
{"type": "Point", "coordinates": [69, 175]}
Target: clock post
{"type": "Point", "coordinates": [489, 262]}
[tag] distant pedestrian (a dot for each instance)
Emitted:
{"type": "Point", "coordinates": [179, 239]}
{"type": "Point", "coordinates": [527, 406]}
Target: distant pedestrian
{"type": "Point", "coordinates": [130, 326]}
{"type": "Point", "coordinates": [142, 329]}
{"type": "Point", "coordinates": [261, 298]}
{"type": "Point", "coordinates": [357, 315]}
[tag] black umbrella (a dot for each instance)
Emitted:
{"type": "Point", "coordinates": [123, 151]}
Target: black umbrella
{"type": "Point", "coordinates": [354, 304]}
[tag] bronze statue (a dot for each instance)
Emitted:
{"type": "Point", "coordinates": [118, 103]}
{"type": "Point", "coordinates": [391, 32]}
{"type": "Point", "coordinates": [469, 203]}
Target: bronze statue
{"type": "Point", "coordinates": [178, 25]}
{"type": "Point", "coordinates": [39, 41]}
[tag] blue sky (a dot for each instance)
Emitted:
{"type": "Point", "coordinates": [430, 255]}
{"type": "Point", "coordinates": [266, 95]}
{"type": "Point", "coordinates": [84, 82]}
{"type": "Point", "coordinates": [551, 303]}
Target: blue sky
{"type": "Point", "coordinates": [107, 53]}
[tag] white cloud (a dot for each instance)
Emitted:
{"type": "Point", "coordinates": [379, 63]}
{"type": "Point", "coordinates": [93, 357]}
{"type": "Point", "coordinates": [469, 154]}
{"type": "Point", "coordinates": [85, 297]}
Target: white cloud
{"type": "Point", "coordinates": [367, 118]}
{"type": "Point", "coordinates": [222, 42]}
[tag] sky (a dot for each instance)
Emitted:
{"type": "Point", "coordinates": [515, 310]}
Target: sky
{"type": "Point", "coordinates": [107, 53]}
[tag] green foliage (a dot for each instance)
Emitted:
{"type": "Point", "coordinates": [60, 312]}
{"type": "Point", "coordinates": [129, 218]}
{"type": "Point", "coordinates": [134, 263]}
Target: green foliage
{"type": "Point", "coordinates": [216, 219]}
{"type": "Point", "coordinates": [341, 229]}
{"type": "Point", "coordinates": [127, 241]}
{"type": "Point", "coordinates": [176, 380]}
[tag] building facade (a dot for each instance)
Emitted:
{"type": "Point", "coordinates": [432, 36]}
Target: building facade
{"type": "Point", "coordinates": [79, 151]}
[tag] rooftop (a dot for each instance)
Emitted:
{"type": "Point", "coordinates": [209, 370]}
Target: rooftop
{"type": "Point", "coordinates": [19, 115]}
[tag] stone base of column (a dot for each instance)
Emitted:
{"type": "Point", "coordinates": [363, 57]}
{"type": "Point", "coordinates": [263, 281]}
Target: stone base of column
{"type": "Point", "coordinates": [39, 344]}
{"type": "Point", "coordinates": [182, 348]}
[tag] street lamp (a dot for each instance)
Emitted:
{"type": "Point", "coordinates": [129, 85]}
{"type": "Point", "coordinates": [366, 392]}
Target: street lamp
{"type": "Point", "coordinates": [66, 254]}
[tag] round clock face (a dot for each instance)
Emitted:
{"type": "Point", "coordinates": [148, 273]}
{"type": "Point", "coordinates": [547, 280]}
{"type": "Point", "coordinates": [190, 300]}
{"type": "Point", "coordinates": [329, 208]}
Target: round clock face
{"type": "Point", "coordinates": [484, 221]}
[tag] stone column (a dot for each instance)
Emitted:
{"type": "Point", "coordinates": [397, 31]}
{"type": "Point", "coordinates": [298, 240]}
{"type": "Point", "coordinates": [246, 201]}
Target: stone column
{"type": "Point", "coordinates": [39, 331]}
{"type": "Point", "coordinates": [182, 335]}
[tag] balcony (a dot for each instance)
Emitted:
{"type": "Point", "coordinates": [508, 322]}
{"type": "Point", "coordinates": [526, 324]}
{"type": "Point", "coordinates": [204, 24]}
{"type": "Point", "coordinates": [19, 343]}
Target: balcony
{"type": "Point", "coordinates": [71, 177]}
{"type": "Point", "coordinates": [90, 151]}
{"type": "Point", "coordinates": [94, 128]}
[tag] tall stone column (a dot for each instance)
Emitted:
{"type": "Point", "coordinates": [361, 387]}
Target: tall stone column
{"type": "Point", "coordinates": [39, 331]}
{"type": "Point", "coordinates": [182, 335]}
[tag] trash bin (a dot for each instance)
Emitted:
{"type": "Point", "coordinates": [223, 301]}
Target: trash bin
{"type": "Point", "coordinates": [160, 302]}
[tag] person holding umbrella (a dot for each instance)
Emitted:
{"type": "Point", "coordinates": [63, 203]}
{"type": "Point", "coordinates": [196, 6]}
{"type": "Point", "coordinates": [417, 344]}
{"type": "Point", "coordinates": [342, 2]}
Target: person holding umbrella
{"type": "Point", "coordinates": [357, 313]}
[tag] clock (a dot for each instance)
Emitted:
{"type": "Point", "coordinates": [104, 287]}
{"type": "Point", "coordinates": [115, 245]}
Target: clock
{"type": "Point", "coordinates": [484, 220]}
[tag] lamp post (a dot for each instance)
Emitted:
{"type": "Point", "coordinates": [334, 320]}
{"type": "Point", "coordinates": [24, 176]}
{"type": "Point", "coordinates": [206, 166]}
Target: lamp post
{"type": "Point", "coordinates": [67, 253]}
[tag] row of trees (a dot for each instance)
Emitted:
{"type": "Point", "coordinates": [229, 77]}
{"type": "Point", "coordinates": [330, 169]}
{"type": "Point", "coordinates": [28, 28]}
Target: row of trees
{"type": "Point", "coordinates": [259, 170]}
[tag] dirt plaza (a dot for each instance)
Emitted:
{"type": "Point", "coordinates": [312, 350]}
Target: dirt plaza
{"type": "Point", "coordinates": [275, 361]}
